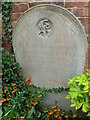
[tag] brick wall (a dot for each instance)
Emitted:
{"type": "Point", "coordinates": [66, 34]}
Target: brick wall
{"type": "Point", "coordinates": [79, 9]}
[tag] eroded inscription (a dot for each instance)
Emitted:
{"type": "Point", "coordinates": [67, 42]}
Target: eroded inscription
{"type": "Point", "coordinates": [44, 27]}
{"type": "Point", "coordinates": [52, 64]}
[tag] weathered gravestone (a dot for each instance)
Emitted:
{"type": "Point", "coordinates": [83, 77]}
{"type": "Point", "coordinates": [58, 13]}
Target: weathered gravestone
{"type": "Point", "coordinates": [50, 45]}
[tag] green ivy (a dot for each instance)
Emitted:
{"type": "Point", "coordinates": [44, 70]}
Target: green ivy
{"type": "Point", "coordinates": [56, 90]}
{"type": "Point", "coordinates": [7, 27]}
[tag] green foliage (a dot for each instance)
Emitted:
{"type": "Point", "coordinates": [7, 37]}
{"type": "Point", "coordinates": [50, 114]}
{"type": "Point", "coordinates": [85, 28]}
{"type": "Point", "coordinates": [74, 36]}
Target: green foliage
{"type": "Point", "coordinates": [79, 92]}
{"type": "Point", "coordinates": [11, 69]}
{"type": "Point", "coordinates": [7, 27]}
{"type": "Point", "coordinates": [56, 90]}
{"type": "Point", "coordinates": [22, 101]}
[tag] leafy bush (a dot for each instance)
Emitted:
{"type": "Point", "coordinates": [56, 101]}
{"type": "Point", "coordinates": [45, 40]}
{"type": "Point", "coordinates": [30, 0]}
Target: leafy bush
{"type": "Point", "coordinates": [79, 92]}
{"type": "Point", "coordinates": [18, 97]}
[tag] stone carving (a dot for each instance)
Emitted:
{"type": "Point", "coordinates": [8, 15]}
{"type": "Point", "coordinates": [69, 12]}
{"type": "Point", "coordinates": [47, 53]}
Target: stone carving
{"type": "Point", "coordinates": [45, 27]}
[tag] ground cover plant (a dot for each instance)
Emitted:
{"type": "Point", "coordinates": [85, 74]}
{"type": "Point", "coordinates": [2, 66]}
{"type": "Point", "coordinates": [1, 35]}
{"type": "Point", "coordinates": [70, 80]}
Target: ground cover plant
{"type": "Point", "coordinates": [79, 92]}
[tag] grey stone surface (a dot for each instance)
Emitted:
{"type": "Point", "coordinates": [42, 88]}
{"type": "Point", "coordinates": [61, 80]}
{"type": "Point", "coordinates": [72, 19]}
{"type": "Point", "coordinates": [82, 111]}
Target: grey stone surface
{"type": "Point", "coordinates": [50, 45]}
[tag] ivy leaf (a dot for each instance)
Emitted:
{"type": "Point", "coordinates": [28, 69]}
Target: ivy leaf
{"type": "Point", "coordinates": [56, 102]}
{"type": "Point", "coordinates": [9, 30]}
{"type": "Point", "coordinates": [27, 101]}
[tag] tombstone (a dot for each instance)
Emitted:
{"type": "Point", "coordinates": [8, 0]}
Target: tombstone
{"type": "Point", "coordinates": [50, 45]}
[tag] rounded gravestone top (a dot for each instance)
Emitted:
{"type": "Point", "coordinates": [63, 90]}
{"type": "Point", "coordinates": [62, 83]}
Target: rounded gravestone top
{"type": "Point", "coordinates": [50, 45]}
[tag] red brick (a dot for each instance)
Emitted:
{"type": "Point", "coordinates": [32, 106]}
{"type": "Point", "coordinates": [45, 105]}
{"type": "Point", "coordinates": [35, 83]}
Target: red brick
{"type": "Point", "coordinates": [79, 12]}
{"type": "Point", "coordinates": [89, 29]}
{"type": "Point", "coordinates": [6, 45]}
{"type": "Point", "coordinates": [85, 24]}
{"type": "Point", "coordinates": [88, 66]}
{"type": "Point", "coordinates": [58, 3]}
{"type": "Point", "coordinates": [47, 2]}
{"type": "Point", "coordinates": [34, 0]}
{"type": "Point", "coordinates": [84, 21]}
{"type": "Point", "coordinates": [14, 8]}
{"type": "Point", "coordinates": [85, 67]}
{"type": "Point", "coordinates": [19, 8]}
{"type": "Point", "coordinates": [84, 3]}
{"type": "Point", "coordinates": [52, 0]}
{"type": "Point", "coordinates": [71, 4]}
{"type": "Point", "coordinates": [86, 29]}
{"type": "Point", "coordinates": [13, 24]}
{"type": "Point", "coordinates": [0, 3]}
{"type": "Point", "coordinates": [23, 0]}
{"type": "Point", "coordinates": [0, 31]}
{"type": "Point", "coordinates": [22, 7]}
{"type": "Point", "coordinates": [86, 61]}
{"type": "Point", "coordinates": [88, 47]}
{"type": "Point", "coordinates": [88, 54]}
{"type": "Point", "coordinates": [0, 45]}
{"type": "Point", "coordinates": [37, 3]}
{"type": "Point", "coordinates": [70, 9]}
{"type": "Point", "coordinates": [76, 4]}
{"type": "Point", "coordinates": [15, 16]}
{"type": "Point", "coordinates": [88, 11]}
{"type": "Point", "coordinates": [0, 25]}
{"type": "Point", "coordinates": [88, 39]}
{"type": "Point", "coordinates": [0, 18]}
{"type": "Point", "coordinates": [89, 63]}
